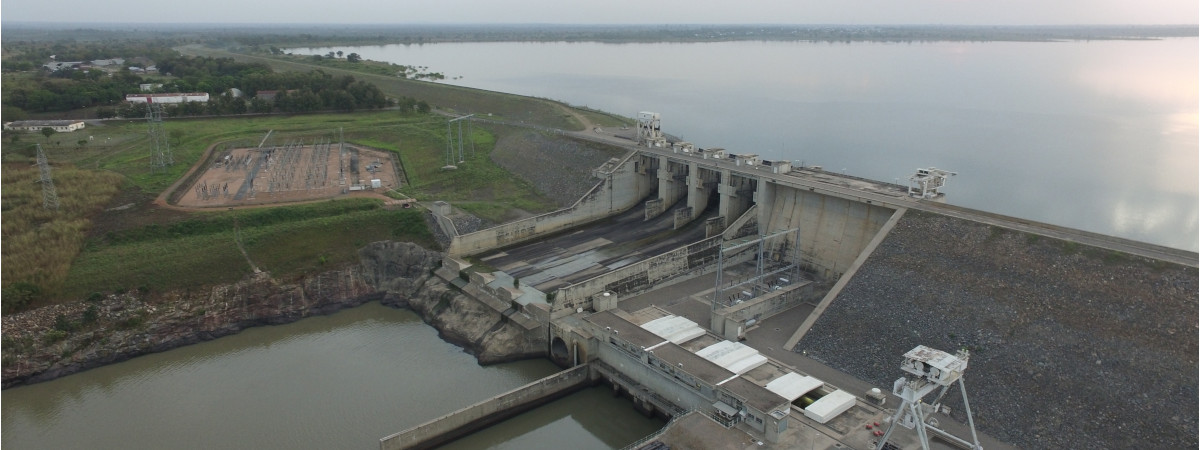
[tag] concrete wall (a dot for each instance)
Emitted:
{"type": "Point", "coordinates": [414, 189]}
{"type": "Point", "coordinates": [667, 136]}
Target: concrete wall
{"type": "Point", "coordinates": [833, 231]}
{"type": "Point", "coordinates": [637, 370]}
{"type": "Point", "coordinates": [634, 279]}
{"type": "Point", "coordinates": [683, 216]}
{"type": "Point", "coordinates": [714, 226]}
{"type": "Point", "coordinates": [458, 423]}
{"type": "Point", "coordinates": [620, 189]}
{"type": "Point", "coordinates": [672, 186]}
{"type": "Point", "coordinates": [743, 226]}
{"type": "Point", "coordinates": [729, 321]}
{"type": "Point", "coordinates": [845, 278]}
{"type": "Point", "coordinates": [736, 193]}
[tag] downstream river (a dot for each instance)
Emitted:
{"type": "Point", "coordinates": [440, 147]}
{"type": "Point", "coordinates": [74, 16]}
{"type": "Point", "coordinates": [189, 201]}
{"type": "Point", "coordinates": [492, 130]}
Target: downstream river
{"type": "Point", "coordinates": [1100, 135]}
{"type": "Point", "coordinates": [333, 382]}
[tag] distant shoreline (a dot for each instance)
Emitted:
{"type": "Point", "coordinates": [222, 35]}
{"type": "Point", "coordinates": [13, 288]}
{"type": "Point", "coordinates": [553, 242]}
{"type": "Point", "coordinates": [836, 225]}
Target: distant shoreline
{"type": "Point", "coordinates": [370, 34]}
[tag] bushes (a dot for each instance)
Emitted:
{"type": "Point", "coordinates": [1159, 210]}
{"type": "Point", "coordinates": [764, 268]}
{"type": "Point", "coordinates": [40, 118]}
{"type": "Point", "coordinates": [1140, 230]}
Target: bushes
{"type": "Point", "coordinates": [53, 336]}
{"type": "Point", "coordinates": [39, 244]}
{"type": "Point", "coordinates": [61, 323]}
{"type": "Point", "coordinates": [333, 231]}
{"type": "Point", "coordinates": [224, 222]}
{"type": "Point", "coordinates": [18, 295]}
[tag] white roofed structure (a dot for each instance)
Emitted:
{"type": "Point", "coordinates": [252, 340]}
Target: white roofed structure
{"type": "Point", "coordinates": [830, 406]}
{"type": "Point", "coordinates": [733, 356]}
{"type": "Point", "coordinates": [674, 328]}
{"type": "Point", "coordinates": [793, 385]}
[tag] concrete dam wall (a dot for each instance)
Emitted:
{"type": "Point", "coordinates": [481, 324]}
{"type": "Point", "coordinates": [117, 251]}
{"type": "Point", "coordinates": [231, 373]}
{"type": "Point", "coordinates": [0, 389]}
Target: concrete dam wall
{"type": "Point", "coordinates": [623, 185]}
{"type": "Point", "coordinates": [833, 230]}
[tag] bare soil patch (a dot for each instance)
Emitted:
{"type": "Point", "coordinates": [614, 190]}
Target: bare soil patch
{"type": "Point", "coordinates": [290, 173]}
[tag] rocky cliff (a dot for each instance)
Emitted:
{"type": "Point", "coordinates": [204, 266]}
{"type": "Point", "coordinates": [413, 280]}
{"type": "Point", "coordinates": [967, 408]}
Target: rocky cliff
{"type": "Point", "coordinates": [403, 272]}
{"type": "Point", "coordinates": [62, 339]}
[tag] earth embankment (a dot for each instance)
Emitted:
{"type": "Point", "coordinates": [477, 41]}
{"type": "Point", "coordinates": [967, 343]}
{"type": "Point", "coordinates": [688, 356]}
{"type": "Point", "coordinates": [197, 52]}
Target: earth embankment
{"type": "Point", "coordinates": [559, 168]}
{"type": "Point", "coordinates": [1071, 346]}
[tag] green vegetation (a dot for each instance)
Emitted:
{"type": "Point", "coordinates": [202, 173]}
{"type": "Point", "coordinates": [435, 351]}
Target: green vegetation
{"type": "Point", "coordinates": [459, 100]}
{"type": "Point", "coordinates": [354, 62]}
{"type": "Point", "coordinates": [123, 147]}
{"type": "Point", "coordinates": [211, 223]}
{"type": "Point", "coordinates": [39, 244]}
{"type": "Point", "coordinates": [191, 250]}
{"type": "Point", "coordinates": [84, 252]}
{"type": "Point", "coordinates": [64, 90]}
{"type": "Point", "coordinates": [104, 90]}
{"type": "Point", "coordinates": [282, 242]}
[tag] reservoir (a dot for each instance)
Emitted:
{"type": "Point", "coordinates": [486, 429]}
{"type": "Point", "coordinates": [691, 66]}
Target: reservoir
{"type": "Point", "coordinates": [340, 381]}
{"type": "Point", "coordinates": [1095, 135]}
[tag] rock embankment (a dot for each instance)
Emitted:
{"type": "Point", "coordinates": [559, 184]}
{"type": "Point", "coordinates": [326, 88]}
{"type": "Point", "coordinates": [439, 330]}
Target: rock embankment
{"type": "Point", "coordinates": [51, 342]}
{"type": "Point", "coordinates": [1072, 347]}
{"type": "Point", "coordinates": [559, 168]}
{"type": "Point", "coordinates": [403, 272]}
{"type": "Point", "coordinates": [59, 340]}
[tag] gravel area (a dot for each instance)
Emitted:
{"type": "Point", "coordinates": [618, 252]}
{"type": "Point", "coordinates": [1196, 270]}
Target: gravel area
{"type": "Point", "coordinates": [464, 223]}
{"type": "Point", "coordinates": [1072, 346]}
{"type": "Point", "coordinates": [439, 236]}
{"type": "Point", "coordinates": [467, 223]}
{"type": "Point", "coordinates": [558, 167]}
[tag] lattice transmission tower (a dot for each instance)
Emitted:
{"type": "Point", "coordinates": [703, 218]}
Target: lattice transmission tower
{"type": "Point", "coordinates": [49, 194]}
{"type": "Point", "coordinates": [451, 142]}
{"type": "Point", "coordinates": [160, 147]}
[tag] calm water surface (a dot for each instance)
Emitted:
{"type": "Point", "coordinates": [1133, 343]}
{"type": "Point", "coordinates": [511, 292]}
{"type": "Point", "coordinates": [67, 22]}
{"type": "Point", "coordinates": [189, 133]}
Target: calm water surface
{"type": "Point", "coordinates": [1100, 136]}
{"type": "Point", "coordinates": [335, 382]}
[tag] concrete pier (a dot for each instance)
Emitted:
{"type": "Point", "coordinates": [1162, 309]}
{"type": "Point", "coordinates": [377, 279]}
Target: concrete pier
{"type": "Point", "coordinates": [493, 410]}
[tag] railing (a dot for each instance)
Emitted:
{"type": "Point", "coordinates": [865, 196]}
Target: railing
{"type": "Point", "coordinates": [638, 443]}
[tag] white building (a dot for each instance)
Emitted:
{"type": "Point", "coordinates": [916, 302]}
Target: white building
{"type": "Point", "coordinates": [61, 126]}
{"type": "Point", "coordinates": [59, 65]}
{"type": "Point", "coordinates": [108, 62]}
{"type": "Point", "coordinates": [173, 97]}
{"type": "Point", "coordinates": [147, 87]}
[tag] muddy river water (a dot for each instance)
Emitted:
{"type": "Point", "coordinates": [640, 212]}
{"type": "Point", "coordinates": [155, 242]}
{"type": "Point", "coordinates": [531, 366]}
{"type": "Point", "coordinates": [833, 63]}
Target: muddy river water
{"type": "Point", "coordinates": [334, 382]}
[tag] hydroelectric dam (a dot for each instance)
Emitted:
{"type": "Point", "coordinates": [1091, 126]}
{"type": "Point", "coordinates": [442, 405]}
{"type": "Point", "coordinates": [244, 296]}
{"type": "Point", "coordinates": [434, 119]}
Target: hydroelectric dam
{"type": "Point", "coordinates": [756, 304]}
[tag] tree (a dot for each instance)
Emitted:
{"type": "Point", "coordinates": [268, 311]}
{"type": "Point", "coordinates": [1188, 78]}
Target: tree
{"type": "Point", "coordinates": [176, 135]}
{"type": "Point", "coordinates": [353, 57]}
{"type": "Point", "coordinates": [339, 53]}
{"type": "Point", "coordinates": [12, 112]}
{"type": "Point", "coordinates": [47, 132]}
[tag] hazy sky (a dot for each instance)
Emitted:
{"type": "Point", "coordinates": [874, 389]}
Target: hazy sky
{"type": "Point", "coordinates": [967, 12]}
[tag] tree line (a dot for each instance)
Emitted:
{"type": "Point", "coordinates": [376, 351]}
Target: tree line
{"type": "Point", "coordinates": [67, 89]}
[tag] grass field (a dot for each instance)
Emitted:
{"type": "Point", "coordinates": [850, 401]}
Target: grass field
{"type": "Point", "coordinates": [52, 258]}
{"type": "Point", "coordinates": [285, 241]}
{"type": "Point", "coordinates": [39, 243]}
{"type": "Point", "coordinates": [56, 255]}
